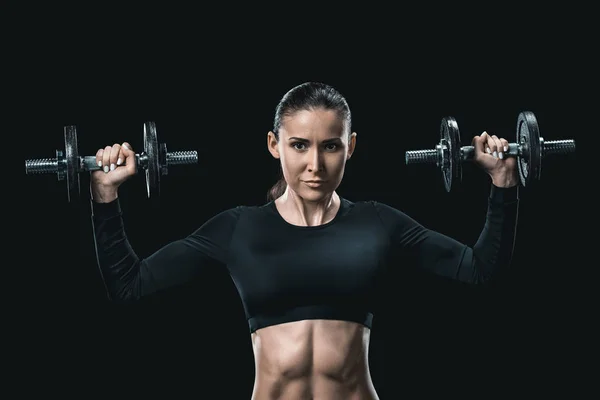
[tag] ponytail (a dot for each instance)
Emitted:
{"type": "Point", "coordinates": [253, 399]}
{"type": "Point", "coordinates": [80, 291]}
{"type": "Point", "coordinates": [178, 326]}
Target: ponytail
{"type": "Point", "coordinates": [277, 189]}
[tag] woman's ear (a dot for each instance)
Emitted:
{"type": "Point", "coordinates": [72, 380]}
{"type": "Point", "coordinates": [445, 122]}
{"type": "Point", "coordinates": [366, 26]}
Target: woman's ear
{"type": "Point", "coordinates": [272, 144]}
{"type": "Point", "coordinates": [351, 145]}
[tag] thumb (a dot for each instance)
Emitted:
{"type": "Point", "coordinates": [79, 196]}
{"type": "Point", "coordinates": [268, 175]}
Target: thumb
{"type": "Point", "coordinates": [129, 157]}
{"type": "Point", "coordinates": [479, 142]}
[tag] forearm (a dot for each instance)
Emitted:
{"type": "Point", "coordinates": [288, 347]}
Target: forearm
{"type": "Point", "coordinates": [494, 248]}
{"type": "Point", "coordinates": [119, 264]}
{"type": "Point", "coordinates": [128, 277]}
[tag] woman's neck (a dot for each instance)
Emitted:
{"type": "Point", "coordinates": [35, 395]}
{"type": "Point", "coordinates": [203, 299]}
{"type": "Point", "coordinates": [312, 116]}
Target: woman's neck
{"type": "Point", "coordinates": [300, 211]}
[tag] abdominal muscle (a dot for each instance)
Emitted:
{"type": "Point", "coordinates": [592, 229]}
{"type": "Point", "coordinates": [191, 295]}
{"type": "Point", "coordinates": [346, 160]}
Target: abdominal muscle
{"type": "Point", "coordinates": [312, 359]}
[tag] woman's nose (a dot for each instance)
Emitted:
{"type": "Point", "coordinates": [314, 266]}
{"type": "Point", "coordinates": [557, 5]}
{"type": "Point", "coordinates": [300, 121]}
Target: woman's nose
{"type": "Point", "coordinates": [315, 164]}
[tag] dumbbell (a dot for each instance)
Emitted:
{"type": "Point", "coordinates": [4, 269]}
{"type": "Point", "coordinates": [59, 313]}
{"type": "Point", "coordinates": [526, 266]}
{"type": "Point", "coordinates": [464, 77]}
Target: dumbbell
{"type": "Point", "coordinates": [529, 149]}
{"type": "Point", "coordinates": [155, 160]}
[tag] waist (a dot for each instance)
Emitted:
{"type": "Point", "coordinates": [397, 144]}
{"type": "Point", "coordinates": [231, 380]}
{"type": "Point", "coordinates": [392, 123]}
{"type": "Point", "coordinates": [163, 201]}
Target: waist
{"type": "Point", "coordinates": [321, 311]}
{"type": "Point", "coordinates": [314, 388]}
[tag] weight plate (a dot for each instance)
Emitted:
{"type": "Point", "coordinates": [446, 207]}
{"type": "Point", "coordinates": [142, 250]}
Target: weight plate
{"type": "Point", "coordinates": [451, 162]}
{"type": "Point", "coordinates": [72, 163]}
{"type": "Point", "coordinates": [162, 160]}
{"type": "Point", "coordinates": [528, 136]}
{"type": "Point", "coordinates": [152, 168]}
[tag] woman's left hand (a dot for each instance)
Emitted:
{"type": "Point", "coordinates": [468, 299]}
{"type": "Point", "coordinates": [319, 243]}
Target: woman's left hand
{"type": "Point", "coordinates": [489, 155]}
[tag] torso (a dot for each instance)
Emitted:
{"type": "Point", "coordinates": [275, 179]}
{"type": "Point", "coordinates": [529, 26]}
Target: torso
{"type": "Point", "coordinates": [312, 359]}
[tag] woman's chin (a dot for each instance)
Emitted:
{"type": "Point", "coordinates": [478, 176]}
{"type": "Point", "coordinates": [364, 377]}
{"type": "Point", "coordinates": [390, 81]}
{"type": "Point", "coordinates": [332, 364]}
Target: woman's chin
{"type": "Point", "coordinates": [314, 194]}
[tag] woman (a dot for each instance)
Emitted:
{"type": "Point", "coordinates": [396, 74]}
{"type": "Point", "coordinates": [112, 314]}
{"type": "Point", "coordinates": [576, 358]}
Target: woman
{"type": "Point", "coordinates": [307, 263]}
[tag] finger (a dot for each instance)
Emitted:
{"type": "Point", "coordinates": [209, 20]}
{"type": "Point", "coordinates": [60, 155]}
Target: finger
{"type": "Point", "coordinates": [478, 142]}
{"type": "Point", "coordinates": [123, 153]}
{"type": "Point", "coordinates": [114, 155]}
{"type": "Point", "coordinates": [499, 147]}
{"type": "Point", "coordinates": [492, 146]}
{"type": "Point", "coordinates": [504, 143]}
{"type": "Point", "coordinates": [99, 155]}
{"type": "Point", "coordinates": [484, 138]}
{"type": "Point", "coordinates": [106, 158]}
{"type": "Point", "coordinates": [120, 156]}
{"type": "Point", "coordinates": [126, 146]}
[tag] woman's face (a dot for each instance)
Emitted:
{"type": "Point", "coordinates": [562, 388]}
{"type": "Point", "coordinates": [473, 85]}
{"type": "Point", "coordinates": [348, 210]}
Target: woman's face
{"type": "Point", "coordinates": [313, 146]}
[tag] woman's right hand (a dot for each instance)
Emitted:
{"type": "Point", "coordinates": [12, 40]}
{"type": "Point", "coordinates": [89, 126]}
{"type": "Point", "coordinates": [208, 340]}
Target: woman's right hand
{"type": "Point", "coordinates": [117, 164]}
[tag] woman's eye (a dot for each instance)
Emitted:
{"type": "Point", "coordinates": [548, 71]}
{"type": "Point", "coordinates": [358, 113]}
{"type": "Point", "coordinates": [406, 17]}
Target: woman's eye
{"type": "Point", "coordinates": [329, 146]}
{"type": "Point", "coordinates": [295, 145]}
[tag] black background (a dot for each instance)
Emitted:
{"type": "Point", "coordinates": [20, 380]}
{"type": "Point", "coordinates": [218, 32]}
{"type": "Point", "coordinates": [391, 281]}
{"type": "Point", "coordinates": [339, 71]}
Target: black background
{"type": "Point", "coordinates": [214, 89]}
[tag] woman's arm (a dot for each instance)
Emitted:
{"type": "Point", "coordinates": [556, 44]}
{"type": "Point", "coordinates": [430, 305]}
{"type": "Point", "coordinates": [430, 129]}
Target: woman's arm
{"type": "Point", "coordinates": [448, 257]}
{"type": "Point", "coordinates": [127, 277]}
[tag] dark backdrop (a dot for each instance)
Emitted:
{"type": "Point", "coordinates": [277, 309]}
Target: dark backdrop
{"type": "Point", "coordinates": [429, 335]}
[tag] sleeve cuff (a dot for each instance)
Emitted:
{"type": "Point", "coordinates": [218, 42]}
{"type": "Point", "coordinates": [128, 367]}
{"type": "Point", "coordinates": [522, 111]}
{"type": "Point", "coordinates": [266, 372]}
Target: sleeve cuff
{"type": "Point", "coordinates": [504, 195]}
{"type": "Point", "coordinates": [106, 210]}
